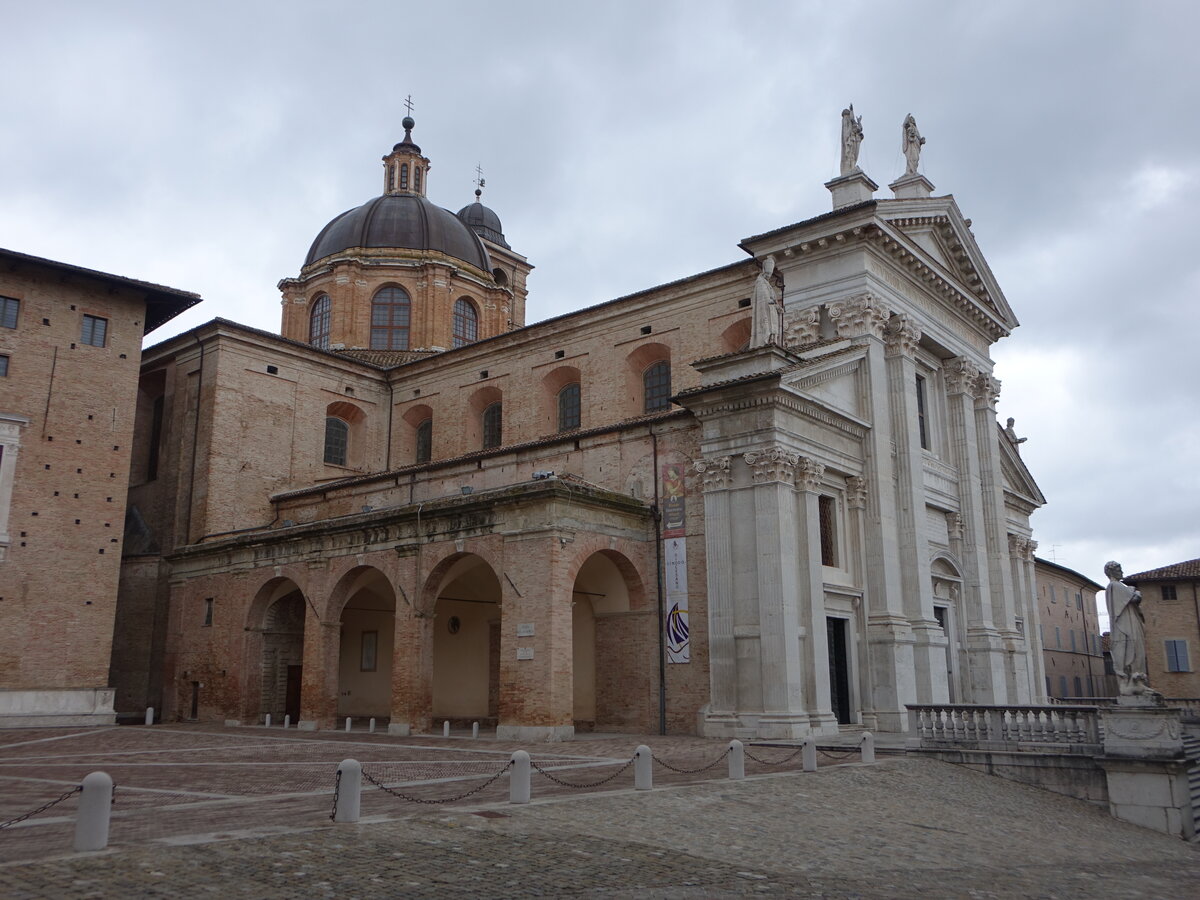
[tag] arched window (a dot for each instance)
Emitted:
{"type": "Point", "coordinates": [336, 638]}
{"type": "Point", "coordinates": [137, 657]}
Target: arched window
{"type": "Point", "coordinates": [390, 309]}
{"type": "Point", "coordinates": [417, 179]}
{"type": "Point", "coordinates": [318, 323]}
{"type": "Point", "coordinates": [404, 176]}
{"type": "Point", "coordinates": [425, 441]}
{"type": "Point", "coordinates": [568, 407]}
{"type": "Point", "coordinates": [656, 382]}
{"type": "Point", "coordinates": [337, 441]}
{"type": "Point", "coordinates": [466, 322]}
{"type": "Point", "coordinates": [493, 426]}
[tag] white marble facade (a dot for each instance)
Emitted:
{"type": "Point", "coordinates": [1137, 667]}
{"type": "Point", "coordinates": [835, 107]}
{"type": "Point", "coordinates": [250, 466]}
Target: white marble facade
{"type": "Point", "coordinates": [867, 522]}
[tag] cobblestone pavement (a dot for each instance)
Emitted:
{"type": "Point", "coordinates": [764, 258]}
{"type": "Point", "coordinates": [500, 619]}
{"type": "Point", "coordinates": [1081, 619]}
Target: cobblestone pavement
{"type": "Point", "coordinates": [257, 826]}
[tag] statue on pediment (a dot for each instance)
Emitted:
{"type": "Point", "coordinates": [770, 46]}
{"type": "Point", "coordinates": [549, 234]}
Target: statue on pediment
{"type": "Point", "coordinates": [766, 306]}
{"type": "Point", "coordinates": [910, 144]}
{"type": "Point", "coordinates": [1010, 432]}
{"type": "Point", "coordinates": [852, 135]}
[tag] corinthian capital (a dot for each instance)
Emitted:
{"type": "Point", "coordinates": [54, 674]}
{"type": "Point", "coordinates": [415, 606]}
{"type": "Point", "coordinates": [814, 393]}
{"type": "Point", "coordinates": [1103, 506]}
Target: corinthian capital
{"type": "Point", "coordinates": [858, 315]}
{"type": "Point", "coordinates": [772, 464]}
{"type": "Point", "coordinates": [961, 375]}
{"type": "Point", "coordinates": [987, 390]}
{"type": "Point", "coordinates": [901, 336]}
{"type": "Point", "coordinates": [715, 472]}
{"type": "Point", "coordinates": [802, 327]}
{"type": "Point", "coordinates": [856, 492]}
{"type": "Point", "coordinates": [809, 473]}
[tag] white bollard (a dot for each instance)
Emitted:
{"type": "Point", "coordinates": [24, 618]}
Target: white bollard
{"type": "Point", "coordinates": [287, 721]}
{"type": "Point", "coordinates": [349, 791]}
{"type": "Point", "coordinates": [868, 747]}
{"type": "Point", "coordinates": [268, 720]}
{"type": "Point", "coordinates": [643, 769]}
{"type": "Point", "coordinates": [810, 755]}
{"type": "Point", "coordinates": [371, 726]}
{"type": "Point", "coordinates": [149, 715]}
{"type": "Point", "coordinates": [518, 784]}
{"type": "Point", "coordinates": [737, 760]}
{"type": "Point", "coordinates": [347, 724]}
{"type": "Point", "coordinates": [475, 729]}
{"type": "Point", "coordinates": [446, 728]}
{"type": "Point", "coordinates": [95, 810]}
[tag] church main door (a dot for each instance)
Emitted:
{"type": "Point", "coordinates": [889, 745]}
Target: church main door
{"type": "Point", "coordinates": [839, 669]}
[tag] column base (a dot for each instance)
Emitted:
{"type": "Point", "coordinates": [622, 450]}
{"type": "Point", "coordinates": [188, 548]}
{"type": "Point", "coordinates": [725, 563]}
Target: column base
{"type": "Point", "coordinates": [399, 729]}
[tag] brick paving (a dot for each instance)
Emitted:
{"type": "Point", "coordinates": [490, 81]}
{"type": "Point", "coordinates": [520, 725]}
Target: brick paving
{"type": "Point", "coordinates": [244, 813]}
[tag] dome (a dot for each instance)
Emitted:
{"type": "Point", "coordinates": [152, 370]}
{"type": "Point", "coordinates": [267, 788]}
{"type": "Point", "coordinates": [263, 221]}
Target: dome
{"type": "Point", "coordinates": [402, 220]}
{"type": "Point", "coordinates": [484, 223]}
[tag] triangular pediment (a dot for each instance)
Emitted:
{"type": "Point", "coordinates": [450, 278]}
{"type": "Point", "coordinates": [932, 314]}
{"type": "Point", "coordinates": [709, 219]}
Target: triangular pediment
{"type": "Point", "coordinates": [1017, 477]}
{"type": "Point", "coordinates": [832, 380]}
{"type": "Point", "coordinates": [934, 228]}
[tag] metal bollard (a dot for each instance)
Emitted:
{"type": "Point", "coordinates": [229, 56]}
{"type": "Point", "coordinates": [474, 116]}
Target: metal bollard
{"type": "Point", "coordinates": [95, 810]}
{"type": "Point", "coordinates": [446, 728]}
{"type": "Point", "coordinates": [371, 726]}
{"type": "Point", "coordinates": [737, 760]}
{"type": "Point", "coordinates": [475, 729]}
{"type": "Point", "coordinates": [287, 721]}
{"type": "Point", "coordinates": [643, 769]}
{"type": "Point", "coordinates": [347, 724]}
{"type": "Point", "coordinates": [810, 755]}
{"type": "Point", "coordinates": [349, 791]}
{"type": "Point", "coordinates": [518, 784]}
{"type": "Point", "coordinates": [268, 720]}
{"type": "Point", "coordinates": [149, 715]}
{"type": "Point", "coordinates": [868, 747]}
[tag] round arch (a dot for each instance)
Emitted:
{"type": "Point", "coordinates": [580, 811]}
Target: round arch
{"type": "Point", "coordinates": [275, 624]}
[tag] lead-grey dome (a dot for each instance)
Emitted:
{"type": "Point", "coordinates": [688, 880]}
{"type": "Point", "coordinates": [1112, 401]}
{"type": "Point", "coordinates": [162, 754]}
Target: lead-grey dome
{"type": "Point", "coordinates": [407, 221]}
{"type": "Point", "coordinates": [483, 222]}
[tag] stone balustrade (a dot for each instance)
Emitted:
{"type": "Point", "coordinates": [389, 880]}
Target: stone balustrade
{"type": "Point", "coordinates": [1076, 728]}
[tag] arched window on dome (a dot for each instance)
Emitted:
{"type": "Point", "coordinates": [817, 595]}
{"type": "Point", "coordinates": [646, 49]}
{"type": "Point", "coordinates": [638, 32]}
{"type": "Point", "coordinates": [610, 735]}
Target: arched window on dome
{"type": "Point", "coordinates": [318, 322]}
{"type": "Point", "coordinates": [493, 422]}
{"type": "Point", "coordinates": [466, 322]}
{"type": "Point", "coordinates": [390, 312]}
{"type": "Point", "coordinates": [404, 176]}
{"type": "Point", "coordinates": [656, 382]}
{"type": "Point", "coordinates": [568, 407]}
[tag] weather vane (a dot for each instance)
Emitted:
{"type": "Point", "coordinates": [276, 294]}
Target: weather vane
{"type": "Point", "coordinates": [408, 104]}
{"type": "Point", "coordinates": [479, 182]}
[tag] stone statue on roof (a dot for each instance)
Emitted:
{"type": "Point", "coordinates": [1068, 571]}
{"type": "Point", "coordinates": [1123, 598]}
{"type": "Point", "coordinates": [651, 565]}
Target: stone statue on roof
{"type": "Point", "coordinates": [852, 135]}
{"type": "Point", "coordinates": [910, 144]}
{"type": "Point", "coordinates": [1011, 433]}
{"type": "Point", "coordinates": [1128, 634]}
{"type": "Point", "coordinates": [766, 308]}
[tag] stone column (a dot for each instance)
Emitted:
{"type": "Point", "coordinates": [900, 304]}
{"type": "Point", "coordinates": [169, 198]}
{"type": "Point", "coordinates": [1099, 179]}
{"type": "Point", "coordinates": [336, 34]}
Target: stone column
{"type": "Point", "coordinates": [996, 535]}
{"type": "Point", "coordinates": [722, 646]}
{"type": "Point", "coordinates": [1020, 554]}
{"type": "Point", "coordinates": [856, 504]}
{"type": "Point", "coordinates": [888, 632]}
{"type": "Point", "coordinates": [929, 647]}
{"type": "Point", "coordinates": [810, 598]}
{"type": "Point", "coordinates": [962, 383]}
{"type": "Point", "coordinates": [777, 544]}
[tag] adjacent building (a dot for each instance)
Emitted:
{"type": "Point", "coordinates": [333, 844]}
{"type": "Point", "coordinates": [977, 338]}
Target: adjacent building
{"type": "Point", "coordinates": [1171, 607]}
{"type": "Point", "coordinates": [1070, 632]}
{"type": "Point", "coordinates": [70, 350]}
{"type": "Point", "coordinates": [646, 515]}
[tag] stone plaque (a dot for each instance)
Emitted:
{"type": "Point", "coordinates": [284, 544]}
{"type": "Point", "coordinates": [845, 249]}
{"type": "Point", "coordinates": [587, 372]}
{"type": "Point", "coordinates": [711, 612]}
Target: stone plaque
{"type": "Point", "coordinates": [524, 629]}
{"type": "Point", "coordinates": [524, 653]}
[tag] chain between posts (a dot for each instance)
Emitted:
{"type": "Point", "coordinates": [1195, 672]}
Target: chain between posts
{"type": "Point", "coordinates": [337, 787]}
{"type": "Point", "coordinates": [716, 762]}
{"type": "Point", "coordinates": [41, 809]}
{"type": "Point", "coordinates": [589, 784]}
{"type": "Point", "coordinates": [435, 801]}
{"type": "Point", "coordinates": [768, 762]}
{"type": "Point", "coordinates": [841, 754]}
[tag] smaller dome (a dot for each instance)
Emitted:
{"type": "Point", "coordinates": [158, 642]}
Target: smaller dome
{"type": "Point", "coordinates": [484, 222]}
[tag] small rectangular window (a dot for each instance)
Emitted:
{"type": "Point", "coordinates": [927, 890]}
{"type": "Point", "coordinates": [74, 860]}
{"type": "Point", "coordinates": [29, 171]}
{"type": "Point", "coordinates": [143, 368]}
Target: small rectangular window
{"type": "Point", "coordinates": [3, 366]}
{"type": "Point", "coordinates": [1062, 685]}
{"type": "Point", "coordinates": [921, 423]}
{"type": "Point", "coordinates": [1168, 592]}
{"type": "Point", "coordinates": [1078, 686]}
{"type": "Point", "coordinates": [208, 612]}
{"type": "Point", "coordinates": [9, 307]}
{"type": "Point", "coordinates": [95, 331]}
{"type": "Point", "coordinates": [1177, 656]}
{"type": "Point", "coordinates": [1057, 637]}
{"type": "Point", "coordinates": [368, 651]}
{"type": "Point", "coordinates": [1079, 599]}
{"type": "Point", "coordinates": [827, 508]}
{"type": "Point", "coordinates": [1053, 594]}
{"type": "Point", "coordinates": [1072, 633]}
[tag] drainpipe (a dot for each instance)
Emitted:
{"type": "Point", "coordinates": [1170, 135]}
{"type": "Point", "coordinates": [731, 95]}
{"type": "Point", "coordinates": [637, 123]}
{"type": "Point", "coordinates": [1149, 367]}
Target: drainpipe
{"type": "Point", "coordinates": [387, 465]}
{"type": "Point", "coordinates": [658, 577]}
{"type": "Point", "coordinates": [187, 528]}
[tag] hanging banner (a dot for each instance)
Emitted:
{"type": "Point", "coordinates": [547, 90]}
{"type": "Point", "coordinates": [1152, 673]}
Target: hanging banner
{"type": "Point", "coordinates": [674, 501]}
{"type": "Point", "coordinates": [679, 648]}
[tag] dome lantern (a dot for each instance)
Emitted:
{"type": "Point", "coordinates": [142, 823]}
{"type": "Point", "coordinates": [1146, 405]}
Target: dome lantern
{"type": "Point", "coordinates": [405, 170]}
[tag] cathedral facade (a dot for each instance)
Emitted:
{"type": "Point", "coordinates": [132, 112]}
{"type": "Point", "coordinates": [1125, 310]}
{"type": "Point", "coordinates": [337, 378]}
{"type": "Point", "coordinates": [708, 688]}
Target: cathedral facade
{"type": "Point", "coordinates": [767, 500]}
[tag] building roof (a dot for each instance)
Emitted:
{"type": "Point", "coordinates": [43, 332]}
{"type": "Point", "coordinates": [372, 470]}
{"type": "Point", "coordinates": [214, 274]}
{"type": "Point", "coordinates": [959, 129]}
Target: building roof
{"type": "Point", "coordinates": [162, 303]}
{"type": "Point", "coordinates": [385, 359]}
{"type": "Point", "coordinates": [1189, 569]}
{"type": "Point", "coordinates": [484, 222]}
{"type": "Point", "coordinates": [405, 221]}
{"type": "Point", "coordinates": [1063, 570]}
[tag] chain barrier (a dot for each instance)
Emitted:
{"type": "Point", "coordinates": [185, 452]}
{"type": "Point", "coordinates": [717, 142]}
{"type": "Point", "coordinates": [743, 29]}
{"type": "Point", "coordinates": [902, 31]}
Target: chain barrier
{"type": "Point", "coordinates": [768, 762]}
{"type": "Point", "coordinates": [716, 762]}
{"type": "Point", "coordinates": [337, 787]}
{"type": "Point", "coordinates": [436, 801]}
{"type": "Point", "coordinates": [840, 754]}
{"type": "Point", "coordinates": [583, 785]}
{"type": "Point", "coordinates": [41, 809]}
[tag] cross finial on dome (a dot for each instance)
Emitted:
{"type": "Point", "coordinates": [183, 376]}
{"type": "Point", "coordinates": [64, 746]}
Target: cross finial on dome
{"type": "Point", "coordinates": [479, 181]}
{"type": "Point", "coordinates": [408, 104]}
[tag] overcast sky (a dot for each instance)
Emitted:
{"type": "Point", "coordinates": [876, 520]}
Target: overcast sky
{"type": "Point", "coordinates": [626, 144]}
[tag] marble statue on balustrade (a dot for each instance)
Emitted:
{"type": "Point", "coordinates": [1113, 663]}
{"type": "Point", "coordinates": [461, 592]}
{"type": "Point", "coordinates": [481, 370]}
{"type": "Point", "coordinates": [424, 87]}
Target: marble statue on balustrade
{"type": "Point", "coordinates": [766, 322]}
{"type": "Point", "coordinates": [910, 144]}
{"type": "Point", "coordinates": [852, 135]}
{"type": "Point", "coordinates": [1128, 628]}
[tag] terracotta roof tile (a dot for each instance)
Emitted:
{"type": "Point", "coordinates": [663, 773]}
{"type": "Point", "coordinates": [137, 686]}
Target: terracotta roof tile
{"type": "Point", "coordinates": [1188, 569]}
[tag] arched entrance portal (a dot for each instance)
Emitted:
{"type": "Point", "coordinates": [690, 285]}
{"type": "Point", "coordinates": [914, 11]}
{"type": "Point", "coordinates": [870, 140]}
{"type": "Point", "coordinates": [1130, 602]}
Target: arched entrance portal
{"type": "Point", "coordinates": [365, 650]}
{"type": "Point", "coordinates": [281, 610]}
{"type": "Point", "coordinates": [614, 647]}
{"type": "Point", "coordinates": [466, 642]}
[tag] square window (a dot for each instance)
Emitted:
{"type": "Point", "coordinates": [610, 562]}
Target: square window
{"type": "Point", "coordinates": [9, 307]}
{"type": "Point", "coordinates": [1168, 592]}
{"type": "Point", "coordinates": [95, 331]}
